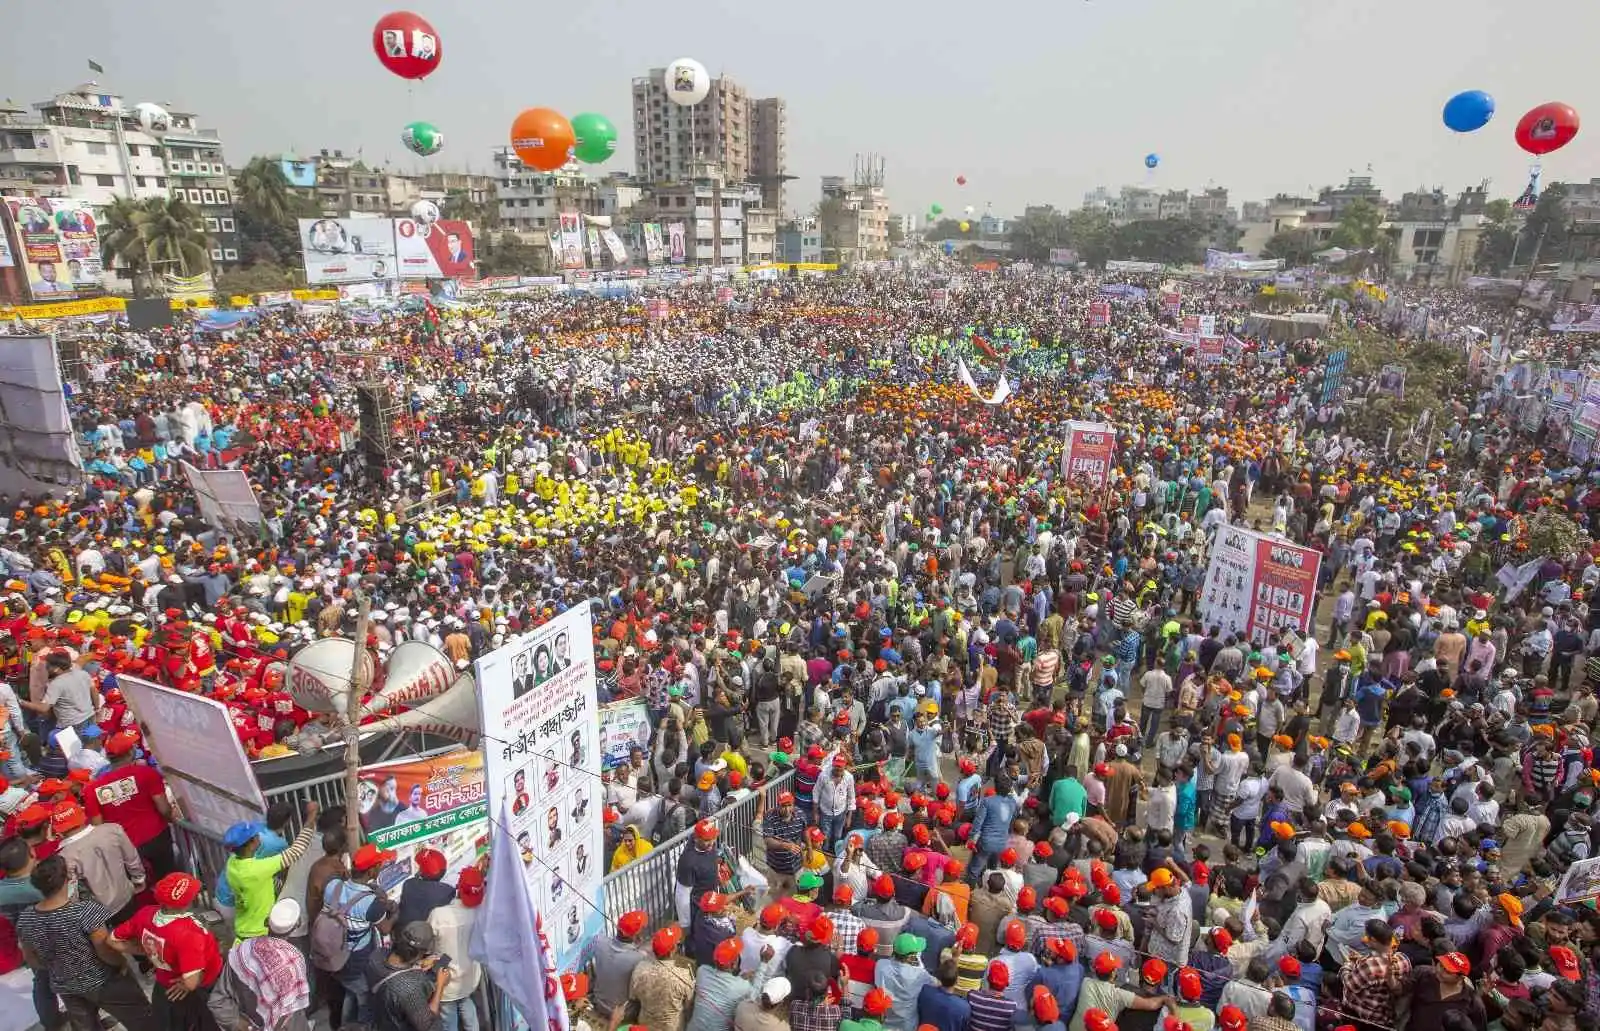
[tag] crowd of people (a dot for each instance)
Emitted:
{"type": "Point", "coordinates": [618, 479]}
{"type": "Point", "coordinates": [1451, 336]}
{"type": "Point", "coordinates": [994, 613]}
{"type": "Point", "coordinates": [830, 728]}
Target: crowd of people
{"type": "Point", "coordinates": [1018, 768]}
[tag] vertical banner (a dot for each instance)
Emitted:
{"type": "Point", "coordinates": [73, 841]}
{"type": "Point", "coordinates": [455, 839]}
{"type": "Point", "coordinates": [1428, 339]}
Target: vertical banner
{"type": "Point", "coordinates": [571, 241]}
{"type": "Point", "coordinates": [1171, 304]}
{"type": "Point", "coordinates": [1208, 325]}
{"type": "Point", "coordinates": [1087, 452]}
{"type": "Point", "coordinates": [1392, 380]}
{"type": "Point", "coordinates": [596, 255]}
{"type": "Point", "coordinates": [656, 308]}
{"type": "Point", "coordinates": [1333, 374]}
{"type": "Point", "coordinates": [1208, 350]}
{"type": "Point", "coordinates": [613, 242]}
{"type": "Point", "coordinates": [1257, 584]}
{"type": "Point", "coordinates": [676, 247]}
{"type": "Point", "coordinates": [59, 246]}
{"type": "Point", "coordinates": [655, 251]}
{"type": "Point", "coordinates": [538, 699]}
{"type": "Point", "coordinates": [1099, 313]}
{"type": "Point", "coordinates": [938, 297]}
{"type": "Point", "coordinates": [1191, 325]}
{"type": "Point", "coordinates": [623, 725]}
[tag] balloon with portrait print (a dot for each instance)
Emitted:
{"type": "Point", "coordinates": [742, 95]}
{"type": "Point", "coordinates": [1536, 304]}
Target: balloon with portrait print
{"type": "Point", "coordinates": [595, 136]}
{"type": "Point", "coordinates": [1468, 111]}
{"type": "Point", "coordinates": [1546, 128]}
{"type": "Point", "coordinates": [153, 118]}
{"type": "Point", "coordinates": [542, 138]}
{"type": "Point", "coordinates": [687, 82]}
{"type": "Point", "coordinates": [422, 138]}
{"type": "Point", "coordinates": [407, 45]}
{"type": "Point", "coordinates": [1152, 160]}
{"type": "Point", "coordinates": [425, 212]}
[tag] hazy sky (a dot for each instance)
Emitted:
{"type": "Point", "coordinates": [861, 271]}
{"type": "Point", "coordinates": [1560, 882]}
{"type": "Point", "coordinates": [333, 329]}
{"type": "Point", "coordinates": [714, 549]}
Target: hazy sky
{"type": "Point", "coordinates": [1034, 102]}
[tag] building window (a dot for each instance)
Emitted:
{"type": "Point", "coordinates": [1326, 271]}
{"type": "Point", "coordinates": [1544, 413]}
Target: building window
{"type": "Point", "coordinates": [138, 180]}
{"type": "Point", "coordinates": [161, 182]}
{"type": "Point", "coordinates": [194, 196]}
{"type": "Point", "coordinates": [209, 196]}
{"type": "Point", "coordinates": [222, 197]}
{"type": "Point", "coordinates": [231, 254]}
{"type": "Point", "coordinates": [95, 148]}
{"type": "Point", "coordinates": [227, 225]}
{"type": "Point", "coordinates": [216, 254]}
{"type": "Point", "coordinates": [524, 202]}
{"type": "Point", "coordinates": [211, 225]}
{"type": "Point", "coordinates": [188, 167]}
{"type": "Point", "coordinates": [105, 180]}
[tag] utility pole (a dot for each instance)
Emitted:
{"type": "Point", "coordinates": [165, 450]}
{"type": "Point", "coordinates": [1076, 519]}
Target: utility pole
{"type": "Point", "coordinates": [716, 215]}
{"type": "Point", "coordinates": [352, 730]}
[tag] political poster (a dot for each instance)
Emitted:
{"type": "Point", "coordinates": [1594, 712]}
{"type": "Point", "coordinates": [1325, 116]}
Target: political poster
{"type": "Point", "coordinates": [1171, 303]}
{"type": "Point", "coordinates": [1191, 324]}
{"type": "Point", "coordinates": [677, 251]}
{"type": "Point", "coordinates": [1392, 380]}
{"type": "Point", "coordinates": [437, 802]}
{"type": "Point", "coordinates": [443, 250]}
{"type": "Point", "coordinates": [1580, 883]}
{"type": "Point", "coordinates": [1087, 452]}
{"type": "Point", "coordinates": [1208, 350]}
{"type": "Point", "coordinates": [348, 250]}
{"type": "Point", "coordinates": [1099, 313]}
{"type": "Point", "coordinates": [1133, 267]}
{"type": "Point", "coordinates": [571, 236]}
{"type": "Point", "coordinates": [623, 725]}
{"type": "Point", "coordinates": [613, 242]}
{"type": "Point", "coordinates": [657, 308]}
{"type": "Point", "coordinates": [538, 703]}
{"type": "Point", "coordinates": [1333, 374]}
{"type": "Point", "coordinates": [1257, 585]}
{"type": "Point", "coordinates": [58, 245]}
{"type": "Point", "coordinates": [1063, 256]}
{"type": "Point", "coordinates": [596, 255]}
{"type": "Point", "coordinates": [196, 741]}
{"type": "Point", "coordinates": [1208, 325]}
{"type": "Point", "coordinates": [1576, 318]}
{"type": "Point", "coordinates": [655, 251]}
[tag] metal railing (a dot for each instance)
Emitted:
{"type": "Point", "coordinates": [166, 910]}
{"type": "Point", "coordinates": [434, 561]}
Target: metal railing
{"type": "Point", "coordinates": [648, 883]}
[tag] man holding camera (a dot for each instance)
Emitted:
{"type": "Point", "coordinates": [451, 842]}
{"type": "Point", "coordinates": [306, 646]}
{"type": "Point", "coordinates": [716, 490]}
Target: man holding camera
{"type": "Point", "coordinates": [408, 984]}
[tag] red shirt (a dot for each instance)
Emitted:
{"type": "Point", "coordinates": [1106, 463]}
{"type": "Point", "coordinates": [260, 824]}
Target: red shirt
{"type": "Point", "coordinates": [126, 795]}
{"type": "Point", "coordinates": [177, 944]}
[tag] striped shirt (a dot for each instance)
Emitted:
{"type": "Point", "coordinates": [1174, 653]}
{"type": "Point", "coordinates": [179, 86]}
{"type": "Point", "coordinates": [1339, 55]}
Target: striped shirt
{"type": "Point", "coordinates": [991, 1011]}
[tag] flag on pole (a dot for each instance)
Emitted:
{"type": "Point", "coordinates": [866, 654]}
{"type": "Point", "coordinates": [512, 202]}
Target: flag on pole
{"type": "Point", "coordinates": [94, 66]}
{"type": "Point", "coordinates": [512, 946]}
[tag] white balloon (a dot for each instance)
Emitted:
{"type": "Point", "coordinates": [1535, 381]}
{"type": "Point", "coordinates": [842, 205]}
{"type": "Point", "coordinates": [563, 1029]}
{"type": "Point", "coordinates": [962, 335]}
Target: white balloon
{"type": "Point", "coordinates": [153, 117]}
{"type": "Point", "coordinates": [425, 212]}
{"type": "Point", "coordinates": [969, 209]}
{"type": "Point", "coordinates": [687, 82]}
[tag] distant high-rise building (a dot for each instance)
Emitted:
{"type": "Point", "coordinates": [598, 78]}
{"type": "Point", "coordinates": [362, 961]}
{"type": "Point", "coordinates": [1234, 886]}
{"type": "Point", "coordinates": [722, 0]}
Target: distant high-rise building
{"type": "Point", "coordinates": [669, 140]}
{"type": "Point", "coordinates": [769, 131]}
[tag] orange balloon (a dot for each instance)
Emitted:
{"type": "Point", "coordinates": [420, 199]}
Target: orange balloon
{"type": "Point", "coordinates": [542, 138]}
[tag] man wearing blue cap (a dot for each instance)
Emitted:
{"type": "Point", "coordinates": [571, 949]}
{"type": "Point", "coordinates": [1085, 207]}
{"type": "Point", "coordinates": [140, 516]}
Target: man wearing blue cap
{"type": "Point", "coordinates": [252, 878]}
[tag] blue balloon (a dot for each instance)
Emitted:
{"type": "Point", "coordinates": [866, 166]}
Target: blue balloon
{"type": "Point", "coordinates": [949, 248]}
{"type": "Point", "coordinates": [1469, 111]}
{"type": "Point", "coordinates": [1152, 160]}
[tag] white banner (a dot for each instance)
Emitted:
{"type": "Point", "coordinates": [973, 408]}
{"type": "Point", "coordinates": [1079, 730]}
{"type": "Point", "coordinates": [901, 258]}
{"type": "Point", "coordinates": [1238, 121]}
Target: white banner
{"type": "Point", "coordinates": [1257, 584]}
{"type": "Point", "coordinates": [227, 501]}
{"type": "Point", "coordinates": [613, 242]}
{"type": "Point", "coordinates": [623, 725]}
{"type": "Point", "coordinates": [348, 250]}
{"type": "Point", "coordinates": [538, 702]}
{"type": "Point", "coordinates": [194, 740]}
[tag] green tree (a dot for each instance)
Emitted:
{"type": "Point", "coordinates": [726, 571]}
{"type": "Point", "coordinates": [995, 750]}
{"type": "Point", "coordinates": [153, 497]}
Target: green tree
{"type": "Point", "coordinates": [1359, 227]}
{"type": "Point", "coordinates": [897, 235]}
{"type": "Point", "coordinates": [174, 234]}
{"type": "Point", "coordinates": [122, 245]}
{"type": "Point", "coordinates": [262, 189]}
{"type": "Point", "coordinates": [484, 215]}
{"type": "Point", "coordinates": [945, 229]}
{"type": "Point", "coordinates": [509, 255]}
{"type": "Point", "coordinates": [1090, 233]}
{"type": "Point", "coordinates": [1033, 236]}
{"type": "Point", "coordinates": [246, 282]}
{"type": "Point", "coordinates": [1294, 246]}
{"type": "Point", "coordinates": [1170, 241]}
{"type": "Point", "coordinates": [1497, 240]}
{"type": "Point", "coordinates": [264, 242]}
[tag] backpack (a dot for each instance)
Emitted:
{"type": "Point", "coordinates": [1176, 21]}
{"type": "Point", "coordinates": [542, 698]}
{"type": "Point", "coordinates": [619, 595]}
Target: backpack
{"type": "Point", "coordinates": [330, 935]}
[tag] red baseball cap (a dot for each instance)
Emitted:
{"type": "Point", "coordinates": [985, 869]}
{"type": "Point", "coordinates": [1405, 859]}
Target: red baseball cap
{"type": "Point", "coordinates": [999, 976]}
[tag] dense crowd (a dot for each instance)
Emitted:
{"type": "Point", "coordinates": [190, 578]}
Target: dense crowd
{"type": "Point", "coordinates": [1008, 767]}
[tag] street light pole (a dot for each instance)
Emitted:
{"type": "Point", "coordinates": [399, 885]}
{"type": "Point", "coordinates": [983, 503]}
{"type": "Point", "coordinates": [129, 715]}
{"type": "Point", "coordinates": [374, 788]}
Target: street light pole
{"type": "Point", "coordinates": [352, 730]}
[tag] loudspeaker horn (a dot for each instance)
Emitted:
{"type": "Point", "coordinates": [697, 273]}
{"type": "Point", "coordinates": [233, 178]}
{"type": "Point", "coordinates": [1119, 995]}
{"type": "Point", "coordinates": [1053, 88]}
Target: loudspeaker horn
{"type": "Point", "coordinates": [416, 671]}
{"type": "Point", "coordinates": [319, 675]}
{"type": "Point", "coordinates": [453, 714]}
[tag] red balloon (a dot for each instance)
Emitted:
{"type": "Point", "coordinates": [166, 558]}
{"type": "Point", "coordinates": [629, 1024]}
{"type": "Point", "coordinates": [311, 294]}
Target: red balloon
{"type": "Point", "coordinates": [1546, 128]}
{"type": "Point", "coordinates": [542, 138]}
{"type": "Point", "coordinates": [961, 180]}
{"type": "Point", "coordinates": [406, 44]}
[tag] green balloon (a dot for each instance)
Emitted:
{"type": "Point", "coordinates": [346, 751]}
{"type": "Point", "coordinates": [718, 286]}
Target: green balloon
{"type": "Point", "coordinates": [596, 138]}
{"type": "Point", "coordinates": [937, 209]}
{"type": "Point", "coordinates": [422, 138]}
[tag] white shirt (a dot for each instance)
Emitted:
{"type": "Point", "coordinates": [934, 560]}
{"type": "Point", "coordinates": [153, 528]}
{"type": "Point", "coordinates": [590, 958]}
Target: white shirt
{"type": "Point", "coordinates": [1308, 655]}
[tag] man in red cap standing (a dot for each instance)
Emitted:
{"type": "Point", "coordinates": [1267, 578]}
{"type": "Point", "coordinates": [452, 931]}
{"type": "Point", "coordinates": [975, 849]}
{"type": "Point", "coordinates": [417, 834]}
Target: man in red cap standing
{"type": "Point", "coordinates": [100, 857]}
{"type": "Point", "coordinates": [698, 870]}
{"type": "Point", "coordinates": [422, 894]}
{"type": "Point", "coordinates": [662, 988]}
{"type": "Point", "coordinates": [835, 796]}
{"type": "Point", "coordinates": [883, 914]}
{"type": "Point", "coordinates": [615, 956]}
{"type": "Point", "coordinates": [183, 953]}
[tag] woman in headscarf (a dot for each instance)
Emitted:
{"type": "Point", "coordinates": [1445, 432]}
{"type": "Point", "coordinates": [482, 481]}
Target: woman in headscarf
{"type": "Point", "coordinates": [264, 981]}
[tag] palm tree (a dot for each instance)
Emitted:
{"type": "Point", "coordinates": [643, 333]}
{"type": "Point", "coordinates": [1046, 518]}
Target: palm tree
{"type": "Point", "coordinates": [121, 242]}
{"type": "Point", "coordinates": [174, 235]}
{"type": "Point", "coordinates": [262, 188]}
